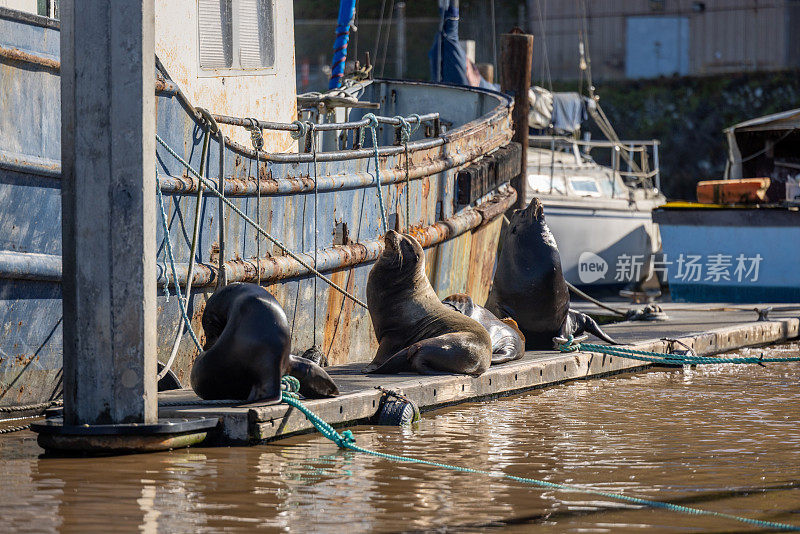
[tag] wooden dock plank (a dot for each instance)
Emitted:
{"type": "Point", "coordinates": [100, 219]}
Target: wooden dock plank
{"type": "Point", "coordinates": [708, 332]}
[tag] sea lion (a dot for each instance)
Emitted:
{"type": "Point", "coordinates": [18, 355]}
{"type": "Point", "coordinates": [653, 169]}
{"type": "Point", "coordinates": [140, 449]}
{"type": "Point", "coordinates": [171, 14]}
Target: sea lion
{"type": "Point", "coordinates": [529, 286]}
{"type": "Point", "coordinates": [415, 330]}
{"type": "Point", "coordinates": [247, 346]}
{"type": "Point", "coordinates": [315, 382]}
{"type": "Point", "coordinates": [508, 343]}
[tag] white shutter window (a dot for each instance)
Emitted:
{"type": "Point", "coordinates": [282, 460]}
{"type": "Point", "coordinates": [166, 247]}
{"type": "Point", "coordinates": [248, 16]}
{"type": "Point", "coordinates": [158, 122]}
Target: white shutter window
{"type": "Point", "coordinates": [255, 34]}
{"type": "Point", "coordinates": [235, 34]}
{"type": "Point", "coordinates": [215, 24]}
{"type": "Point", "coordinates": [249, 42]}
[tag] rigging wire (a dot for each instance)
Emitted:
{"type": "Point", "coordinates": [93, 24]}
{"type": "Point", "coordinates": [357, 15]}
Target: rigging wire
{"type": "Point", "coordinates": [494, 33]}
{"type": "Point", "coordinates": [386, 37]}
{"type": "Point", "coordinates": [546, 58]}
{"type": "Point", "coordinates": [378, 36]}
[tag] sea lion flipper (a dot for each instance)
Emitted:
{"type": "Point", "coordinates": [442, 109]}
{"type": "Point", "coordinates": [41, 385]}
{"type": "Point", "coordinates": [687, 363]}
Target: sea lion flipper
{"type": "Point", "coordinates": [583, 323]}
{"type": "Point", "coordinates": [505, 354]}
{"type": "Point", "coordinates": [397, 363]}
{"type": "Point", "coordinates": [315, 382]}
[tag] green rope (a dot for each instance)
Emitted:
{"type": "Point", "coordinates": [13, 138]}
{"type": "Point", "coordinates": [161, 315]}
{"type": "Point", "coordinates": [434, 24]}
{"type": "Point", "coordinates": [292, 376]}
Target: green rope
{"type": "Point", "coordinates": [662, 358]}
{"type": "Point", "coordinates": [373, 124]}
{"type": "Point", "coordinates": [346, 440]}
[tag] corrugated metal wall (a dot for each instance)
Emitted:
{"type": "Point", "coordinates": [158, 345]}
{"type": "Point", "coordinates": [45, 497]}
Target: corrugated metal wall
{"type": "Point", "coordinates": [724, 35]}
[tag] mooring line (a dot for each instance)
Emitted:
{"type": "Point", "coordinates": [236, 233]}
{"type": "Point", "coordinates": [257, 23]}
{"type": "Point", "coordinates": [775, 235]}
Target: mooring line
{"type": "Point", "coordinates": [570, 345]}
{"type": "Point", "coordinates": [346, 440]}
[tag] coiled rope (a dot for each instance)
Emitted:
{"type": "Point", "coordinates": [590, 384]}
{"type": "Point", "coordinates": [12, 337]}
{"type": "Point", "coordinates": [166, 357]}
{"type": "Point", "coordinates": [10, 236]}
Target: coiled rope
{"type": "Point", "coordinates": [212, 188]}
{"type": "Point", "coordinates": [346, 440]}
{"type": "Point", "coordinates": [39, 407]}
{"type": "Point", "coordinates": [570, 345]}
{"type": "Point", "coordinates": [29, 407]}
{"type": "Point", "coordinates": [373, 125]}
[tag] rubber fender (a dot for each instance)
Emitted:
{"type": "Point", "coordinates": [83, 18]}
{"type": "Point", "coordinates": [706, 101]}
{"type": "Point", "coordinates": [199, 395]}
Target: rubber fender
{"type": "Point", "coordinates": [396, 412]}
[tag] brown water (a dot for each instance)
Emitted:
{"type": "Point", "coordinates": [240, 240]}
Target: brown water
{"type": "Point", "coordinates": [722, 438]}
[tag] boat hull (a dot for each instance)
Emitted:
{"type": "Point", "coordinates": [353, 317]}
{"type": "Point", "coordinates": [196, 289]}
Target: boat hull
{"type": "Point", "coordinates": [602, 243]}
{"type": "Point", "coordinates": [738, 255]}
{"type": "Point", "coordinates": [275, 189]}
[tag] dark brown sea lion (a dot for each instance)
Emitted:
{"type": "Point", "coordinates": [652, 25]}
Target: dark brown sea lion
{"type": "Point", "coordinates": [529, 286]}
{"type": "Point", "coordinates": [415, 331]}
{"type": "Point", "coordinates": [247, 350]}
{"type": "Point", "coordinates": [247, 346]}
{"type": "Point", "coordinates": [508, 343]}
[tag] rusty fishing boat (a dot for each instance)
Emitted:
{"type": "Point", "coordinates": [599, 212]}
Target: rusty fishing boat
{"type": "Point", "coordinates": [253, 184]}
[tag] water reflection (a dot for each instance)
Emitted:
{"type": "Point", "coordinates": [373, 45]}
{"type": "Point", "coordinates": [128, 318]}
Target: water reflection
{"type": "Point", "coordinates": [723, 438]}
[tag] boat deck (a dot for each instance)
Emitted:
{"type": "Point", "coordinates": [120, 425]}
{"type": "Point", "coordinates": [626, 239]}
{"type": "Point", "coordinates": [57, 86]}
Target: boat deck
{"type": "Point", "coordinates": [708, 328]}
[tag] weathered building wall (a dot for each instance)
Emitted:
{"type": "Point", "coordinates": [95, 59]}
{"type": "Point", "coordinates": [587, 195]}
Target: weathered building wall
{"type": "Point", "coordinates": [29, 6]}
{"type": "Point", "coordinates": [718, 36]}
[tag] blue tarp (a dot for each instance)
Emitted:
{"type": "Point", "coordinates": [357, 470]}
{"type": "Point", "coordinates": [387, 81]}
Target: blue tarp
{"type": "Point", "coordinates": [452, 65]}
{"type": "Point", "coordinates": [569, 111]}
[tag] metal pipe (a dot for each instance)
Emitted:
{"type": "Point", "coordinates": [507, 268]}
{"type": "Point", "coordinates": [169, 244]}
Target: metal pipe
{"type": "Point", "coordinates": [53, 64]}
{"type": "Point", "coordinates": [30, 266]}
{"type": "Point", "coordinates": [590, 143]}
{"type": "Point", "coordinates": [329, 126]}
{"type": "Point", "coordinates": [15, 54]}
{"type": "Point", "coordinates": [237, 187]}
{"type": "Point", "coordinates": [27, 164]}
{"type": "Point", "coordinates": [274, 268]}
{"type": "Point", "coordinates": [47, 267]}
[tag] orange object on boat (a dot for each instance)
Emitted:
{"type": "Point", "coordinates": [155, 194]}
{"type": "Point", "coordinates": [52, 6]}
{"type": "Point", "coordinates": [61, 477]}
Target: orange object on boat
{"type": "Point", "coordinates": [744, 191]}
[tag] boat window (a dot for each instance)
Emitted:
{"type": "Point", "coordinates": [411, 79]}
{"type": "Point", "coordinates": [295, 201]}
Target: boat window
{"type": "Point", "coordinates": [236, 35]}
{"type": "Point", "coordinates": [541, 183]}
{"type": "Point", "coordinates": [584, 185]}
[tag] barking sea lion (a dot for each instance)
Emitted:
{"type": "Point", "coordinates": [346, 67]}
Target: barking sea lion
{"type": "Point", "coordinates": [247, 350]}
{"type": "Point", "coordinates": [415, 330]}
{"type": "Point", "coordinates": [529, 287]}
{"type": "Point", "coordinates": [508, 343]}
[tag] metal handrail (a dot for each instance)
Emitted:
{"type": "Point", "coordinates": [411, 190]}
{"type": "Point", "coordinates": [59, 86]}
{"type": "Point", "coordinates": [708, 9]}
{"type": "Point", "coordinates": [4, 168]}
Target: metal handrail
{"type": "Point", "coordinates": [629, 146]}
{"type": "Point", "coordinates": [322, 127]}
{"type": "Point", "coordinates": [594, 143]}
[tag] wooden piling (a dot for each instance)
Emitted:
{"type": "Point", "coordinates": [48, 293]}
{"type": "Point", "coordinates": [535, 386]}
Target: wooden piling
{"type": "Point", "coordinates": [516, 57]}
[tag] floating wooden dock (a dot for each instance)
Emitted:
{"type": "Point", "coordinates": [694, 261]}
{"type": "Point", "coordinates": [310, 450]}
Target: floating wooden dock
{"type": "Point", "coordinates": [708, 328]}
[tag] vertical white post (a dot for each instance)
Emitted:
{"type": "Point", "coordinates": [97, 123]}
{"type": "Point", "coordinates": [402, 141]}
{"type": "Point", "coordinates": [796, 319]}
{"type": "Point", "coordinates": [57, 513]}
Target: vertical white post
{"type": "Point", "coordinates": [656, 165]}
{"type": "Point", "coordinates": [108, 211]}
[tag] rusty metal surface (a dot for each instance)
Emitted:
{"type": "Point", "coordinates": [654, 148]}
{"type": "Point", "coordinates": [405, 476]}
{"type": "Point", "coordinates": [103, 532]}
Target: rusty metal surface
{"type": "Point", "coordinates": [15, 54]}
{"type": "Point", "coordinates": [459, 244]}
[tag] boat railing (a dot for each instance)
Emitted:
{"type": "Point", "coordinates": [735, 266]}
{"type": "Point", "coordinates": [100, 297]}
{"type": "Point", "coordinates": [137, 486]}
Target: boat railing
{"type": "Point", "coordinates": [635, 161]}
{"type": "Point", "coordinates": [356, 149]}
